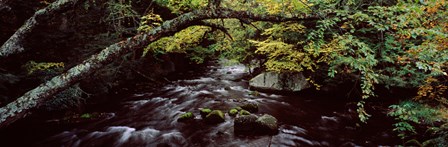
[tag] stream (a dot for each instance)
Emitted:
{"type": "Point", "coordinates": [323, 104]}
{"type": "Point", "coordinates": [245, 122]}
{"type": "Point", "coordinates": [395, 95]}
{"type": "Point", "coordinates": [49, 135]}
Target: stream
{"type": "Point", "coordinates": [149, 118]}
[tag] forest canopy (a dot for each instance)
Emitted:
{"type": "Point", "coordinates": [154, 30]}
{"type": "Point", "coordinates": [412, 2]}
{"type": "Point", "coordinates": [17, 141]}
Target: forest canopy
{"type": "Point", "coordinates": [370, 43]}
{"type": "Point", "coordinates": [374, 43]}
{"type": "Point", "coordinates": [388, 43]}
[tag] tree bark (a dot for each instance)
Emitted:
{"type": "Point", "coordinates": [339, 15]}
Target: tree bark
{"type": "Point", "coordinates": [14, 44]}
{"type": "Point", "coordinates": [23, 105]}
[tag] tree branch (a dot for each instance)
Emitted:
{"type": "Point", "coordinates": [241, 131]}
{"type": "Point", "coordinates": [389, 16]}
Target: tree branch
{"type": "Point", "coordinates": [215, 26]}
{"type": "Point", "coordinates": [229, 13]}
{"type": "Point", "coordinates": [214, 3]}
{"type": "Point", "coordinates": [14, 44]}
{"type": "Point", "coordinates": [244, 21]}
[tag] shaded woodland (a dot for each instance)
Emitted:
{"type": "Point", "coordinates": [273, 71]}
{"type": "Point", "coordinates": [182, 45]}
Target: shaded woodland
{"type": "Point", "coordinates": [58, 57]}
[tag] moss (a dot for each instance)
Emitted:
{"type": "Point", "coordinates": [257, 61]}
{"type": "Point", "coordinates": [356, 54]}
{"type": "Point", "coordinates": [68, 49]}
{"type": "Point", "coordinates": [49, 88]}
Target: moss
{"type": "Point", "coordinates": [86, 116]}
{"type": "Point", "coordinates": [268, 123]}
{"type": "Point", "coordinates": [33, 66]}
{"type": "Point", "coordinates": [244, 112]}
{"type": "Point", "coordinates": [185, 116]}
{"type": "Point", "coordinates": [216, 116]}
{"type": "Point", "coordinates": [204, 112]}
{"type": "Point", "coordinates": [233, 112]}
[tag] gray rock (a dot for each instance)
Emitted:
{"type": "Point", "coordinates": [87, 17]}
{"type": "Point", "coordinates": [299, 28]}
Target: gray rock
{"type": "Point", "coordinates": [254, 125]}
{"type": "Point", "coordinates": [267, 124]}
{"type": "Point", "coordinates": [245, 124]}
{"type": "Point", "coordinates": [214, 117]}
{"type": "Point", "coordinates": [291, 82]}
{"type": "Point", "coordinates": [250, 106]}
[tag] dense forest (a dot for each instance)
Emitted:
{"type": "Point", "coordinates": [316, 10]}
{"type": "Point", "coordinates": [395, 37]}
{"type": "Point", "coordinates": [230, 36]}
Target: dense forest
{"type": "Point", "coordinates": [187, 72]}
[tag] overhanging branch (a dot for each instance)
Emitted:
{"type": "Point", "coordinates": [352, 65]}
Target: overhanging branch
{"type": "Point", "coordinates": [244, 21]}
{"type": "Point", "coordinates": [14, 44]}
{"type": "Point", "coordinates": [215, 26]}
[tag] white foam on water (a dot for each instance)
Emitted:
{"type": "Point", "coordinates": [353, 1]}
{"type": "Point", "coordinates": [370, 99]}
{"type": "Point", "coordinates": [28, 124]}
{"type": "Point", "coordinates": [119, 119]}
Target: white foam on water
{"type": "Point", "coordinates": [329, 118]}
{"type": "Point", "coordinates": [221, 91]}
{"type": "Point", "coordinates": [173, 137]}
{"type": "Point", "coordinates": [291, 140]}
{"type": "Point", "coordinates": [294, 130]}
{"type": "Point", "coordinates": [201, 80]}
{"type": "Point", "coordinates": [146, 135]}
{"type": "Point", "coordinates": [126, 134]}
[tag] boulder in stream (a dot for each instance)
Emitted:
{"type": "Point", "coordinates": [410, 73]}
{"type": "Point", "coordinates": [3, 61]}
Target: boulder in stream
{"type": "Point", "coordinates": [250, 106]}
{"type": "Point", "coordinates": [204, 112]}
{"type": "Point", "coordinates": [267, 124]}
{"type": "Point", "coordinates": [214, 117]}
{"type": "Point", "coordinates": [245, 124]}
{"type": "Point", "coordinates": [233, 112]}
{"type": "Point", "coordinates": [244, 112]}
{"type": "Point", "coordinates": [254, 125]}
{"type": "Point", "coordinates": [272, 81]}
{"type": "Point", "coordinates": [186, 116]}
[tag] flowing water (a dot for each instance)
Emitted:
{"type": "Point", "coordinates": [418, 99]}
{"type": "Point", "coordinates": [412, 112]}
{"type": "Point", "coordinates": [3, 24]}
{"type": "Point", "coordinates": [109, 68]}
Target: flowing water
{"type": "Point", "coordinates": [149, 118]}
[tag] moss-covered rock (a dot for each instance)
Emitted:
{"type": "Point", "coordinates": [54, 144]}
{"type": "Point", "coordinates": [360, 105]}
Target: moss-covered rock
{"type": "Point", "coordinates": [86, 115]}
{"type": "Point", "coordinates": [250, 106]}
{"type": "Point", "coordinates": [233, 112]}
{"type": "Point", "coordinates": [186, 116]}
{"type": "Point", "coordinates": [267, 124]}
{"type": "Point", "coordinates": [254, 125]}
{"type": "Point", "coordinates": [214, 117]}
{"type": "Point", "coordinates": [244, 112]}
{"type": "Point", "coordinates": [238, 108]}
{"type": "Point", "coordinates": [204, 112]}
{"type": "Point", "coordinates": [245, 124]}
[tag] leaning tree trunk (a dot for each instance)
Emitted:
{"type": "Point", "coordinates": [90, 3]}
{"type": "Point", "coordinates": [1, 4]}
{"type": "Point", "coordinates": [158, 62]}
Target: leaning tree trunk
{"type": "Point", "coordinates": [21, 107]}
{"type": "Point", "coordinates": [14, 44]}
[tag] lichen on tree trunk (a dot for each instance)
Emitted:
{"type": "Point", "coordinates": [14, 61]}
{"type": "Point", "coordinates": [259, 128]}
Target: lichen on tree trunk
{"type": "Point", "coordinates": [14, 44]}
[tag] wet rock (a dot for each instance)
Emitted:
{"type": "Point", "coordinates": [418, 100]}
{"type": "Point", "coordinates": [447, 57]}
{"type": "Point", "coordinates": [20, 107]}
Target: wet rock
{"type": "Point", "coordinates": [250, 106]}
{"type": "Point", "coordinates": [254, 93]}
{"type": "Point", "coordinates": [291, 82]}
{"type": "Point", "coordinates": [267, 124]}
{"type": "Point", "coordinates": [204, 112]}
{"type": "Point", "coordinates": [233, 112]}
{"type": "Point", "coordinates": [245, 124]}
{"type": "Point", "coordinates": [186, 116]}
{"type": "Point", "coordinates": [254, 125]}
{"type": "Point", "coordinates": [244, 112]}
{"type": "Point", "coordinates": [214, 117]}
